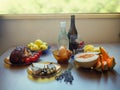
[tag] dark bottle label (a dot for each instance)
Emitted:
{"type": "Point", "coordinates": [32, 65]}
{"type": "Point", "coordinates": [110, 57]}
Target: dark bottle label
{"type": "Point", "coordinates": [73, 38]}
{"type": "Point", "coordinates": [72, 42]}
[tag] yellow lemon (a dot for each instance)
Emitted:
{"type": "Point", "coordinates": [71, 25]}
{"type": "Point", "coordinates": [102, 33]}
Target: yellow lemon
{"type": "Point", "coordinates": [30, 45]}
{"type": "Point", "coordinates": [43, 47]}
{"type": "Point", "coordinates": [38, 42]}
{"type": "Point", "coordinates": [44, 43]}
{"type": "Point", "coordinates": [34, 47]}
{"type": "Point", "coordinates": [88, 48]}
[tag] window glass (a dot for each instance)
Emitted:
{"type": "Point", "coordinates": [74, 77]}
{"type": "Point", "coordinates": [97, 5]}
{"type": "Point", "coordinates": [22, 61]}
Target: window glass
{"type": "Point", "coordinates": [58, 6]}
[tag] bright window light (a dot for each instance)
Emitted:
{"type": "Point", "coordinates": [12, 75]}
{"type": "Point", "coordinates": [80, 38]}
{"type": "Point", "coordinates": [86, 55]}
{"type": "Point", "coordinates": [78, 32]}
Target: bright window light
{"type": "Point", "coordinates": [58, 6]}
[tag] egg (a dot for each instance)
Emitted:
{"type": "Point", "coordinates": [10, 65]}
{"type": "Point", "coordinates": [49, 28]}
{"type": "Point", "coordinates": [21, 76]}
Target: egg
{"type": "Point", "coordinates": [63, 51]}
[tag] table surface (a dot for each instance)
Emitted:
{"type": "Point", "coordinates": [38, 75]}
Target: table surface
{"type": "Point", "coordinates": [16, 78]}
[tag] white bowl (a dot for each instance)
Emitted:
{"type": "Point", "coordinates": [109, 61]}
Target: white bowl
{"type": "Point", "coordinates": [86, 60]}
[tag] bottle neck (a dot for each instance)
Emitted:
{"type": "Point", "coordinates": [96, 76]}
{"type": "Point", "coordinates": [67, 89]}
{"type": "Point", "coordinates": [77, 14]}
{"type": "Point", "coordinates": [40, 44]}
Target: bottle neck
{"type": "Point", "coordinates": [63, 27]}
{"type": "Point", "coordinates": [72, 34]}
{"type": "Point", "coordinates": [72, 21]}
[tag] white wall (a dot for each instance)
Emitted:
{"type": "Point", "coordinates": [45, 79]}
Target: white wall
{"type": "Point", "coordinates": [20, 32]}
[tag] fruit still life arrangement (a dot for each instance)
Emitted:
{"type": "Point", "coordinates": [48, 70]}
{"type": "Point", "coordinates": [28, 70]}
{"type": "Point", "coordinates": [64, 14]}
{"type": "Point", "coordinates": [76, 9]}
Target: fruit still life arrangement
{"type": "Point", "coordinates": [95, 58]}
{"type": "Point", "coordinates": [92, 57]}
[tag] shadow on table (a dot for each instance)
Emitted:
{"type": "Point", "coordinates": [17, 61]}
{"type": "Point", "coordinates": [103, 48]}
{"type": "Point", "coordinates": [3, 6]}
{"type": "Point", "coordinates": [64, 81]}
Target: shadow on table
{"type": "Point", "coordinates": [64, 66]}
{"type": "Point", "coordinates": [15, 67]}
{"type": "Point", "coordinates": [92, 75]}
{"type": "Point", "coordinates": [110, 76]}
{"type": "Point", "coordinates": [42, 80]}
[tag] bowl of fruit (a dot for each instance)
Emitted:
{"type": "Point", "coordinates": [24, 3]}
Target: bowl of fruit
{"type": "Point", "coordinates": [39, 45]}
{"type": "Point", "coordinates": [62, 55]}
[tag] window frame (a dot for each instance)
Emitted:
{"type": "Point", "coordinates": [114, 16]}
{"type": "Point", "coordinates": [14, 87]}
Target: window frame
{"type": "Point", "coordinates": [61, 15]}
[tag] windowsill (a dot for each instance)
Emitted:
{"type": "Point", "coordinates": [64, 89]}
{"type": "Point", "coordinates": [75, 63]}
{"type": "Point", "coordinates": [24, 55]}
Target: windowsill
{"type": "Point", "coordinates": [53, 16]}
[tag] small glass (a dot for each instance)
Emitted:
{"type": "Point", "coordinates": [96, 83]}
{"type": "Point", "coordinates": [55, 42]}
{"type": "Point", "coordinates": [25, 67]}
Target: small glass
{"type": "Point", "coordinates": [80, 45]}
{"type": "Point", "coordinates": [77, 45]}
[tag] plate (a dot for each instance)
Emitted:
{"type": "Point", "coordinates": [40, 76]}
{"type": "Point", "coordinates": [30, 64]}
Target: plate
{"type": "Point", "coordinates": [7, 61]}
{"type": "Point", "coordinates": [58, 69]}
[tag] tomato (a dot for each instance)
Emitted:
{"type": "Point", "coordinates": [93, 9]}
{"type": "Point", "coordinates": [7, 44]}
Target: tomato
{"type": "Point", "coordinates": [40, 52]}
{"type": "Point", "coordinates": [36, 55]}
{"type": "Point", "coordinates": [27, 60]}
{"type": "Point", "coordinates": [34, 58]}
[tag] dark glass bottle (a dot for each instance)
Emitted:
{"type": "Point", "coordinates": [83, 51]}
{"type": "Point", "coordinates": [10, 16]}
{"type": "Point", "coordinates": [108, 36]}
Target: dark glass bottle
{"type": "Point", "coordinates": [72, 34]}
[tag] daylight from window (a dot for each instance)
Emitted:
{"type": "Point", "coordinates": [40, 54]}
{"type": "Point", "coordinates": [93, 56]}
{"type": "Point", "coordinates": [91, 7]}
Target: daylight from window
{"type": "Point", "coordinates": [58, 6]}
